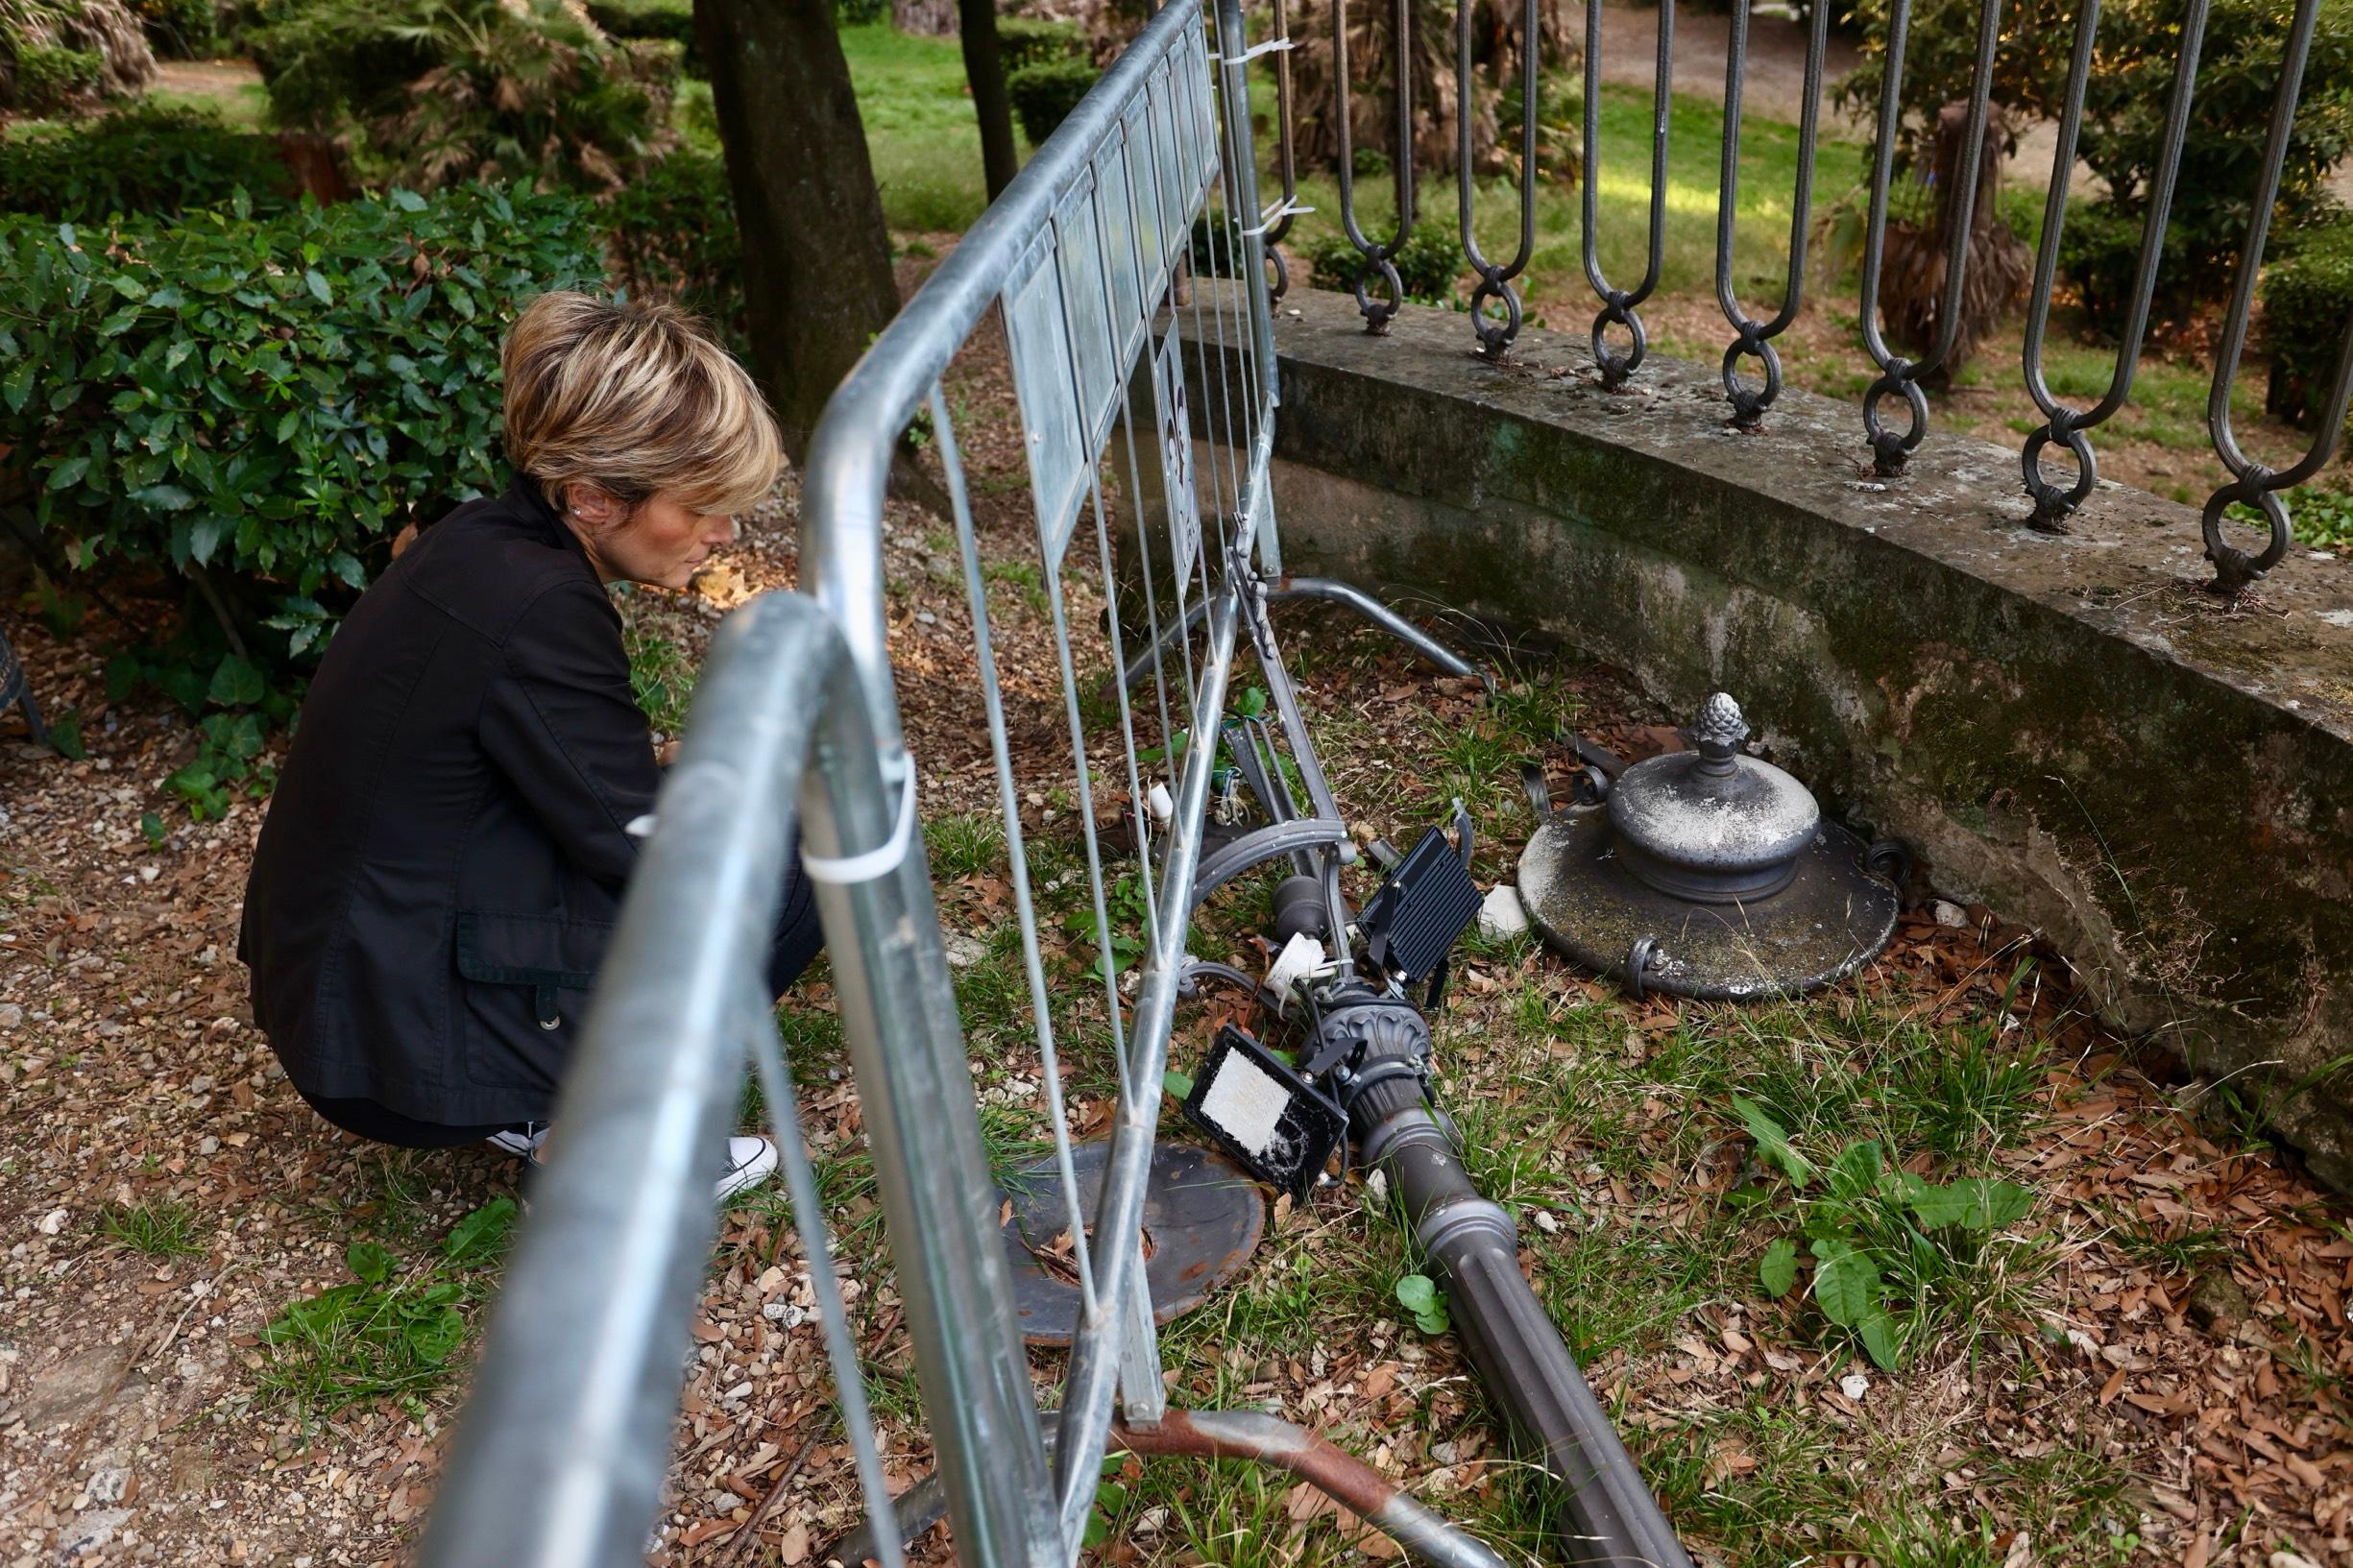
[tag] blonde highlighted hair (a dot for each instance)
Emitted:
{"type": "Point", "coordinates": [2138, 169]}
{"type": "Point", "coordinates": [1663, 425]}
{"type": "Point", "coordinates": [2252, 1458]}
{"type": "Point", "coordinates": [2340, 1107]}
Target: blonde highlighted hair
{"type": "Point", "coordinates": [633, 400]}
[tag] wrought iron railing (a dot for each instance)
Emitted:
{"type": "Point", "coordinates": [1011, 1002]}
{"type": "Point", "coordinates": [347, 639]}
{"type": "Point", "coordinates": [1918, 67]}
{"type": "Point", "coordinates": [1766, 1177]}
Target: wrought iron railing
{"type": "Point", "coordinates": [1497, 306]}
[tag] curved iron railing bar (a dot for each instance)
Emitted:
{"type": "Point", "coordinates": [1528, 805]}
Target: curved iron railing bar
{"type": "Point", "coordinates": [1755, 338]}
{"type": "Point", "coordinates": [1377, 313]}
{"type": "Point", "coordinates": [1890, 451]}
{"type": "Point", "coordinates": [2065, 424]}
{"type": "Point", "coordinates": [1618, 305]}
{"type": "Point", "coordinates": [1278, 281]}
{"type": "Point", "coordinates": [1496, 282]}
{"type": "Point", "coordinates": [2250, 481]}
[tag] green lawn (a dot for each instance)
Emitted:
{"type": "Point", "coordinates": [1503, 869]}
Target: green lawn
{"type": "Point", "coordinates": [920, 128]}
{"type": "Point", "coordinates": [1768, 176]}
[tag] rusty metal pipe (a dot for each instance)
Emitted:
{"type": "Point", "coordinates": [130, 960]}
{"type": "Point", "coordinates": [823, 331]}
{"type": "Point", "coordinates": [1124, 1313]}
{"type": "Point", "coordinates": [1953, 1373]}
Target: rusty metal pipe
{"type": "Point", "coordinates": [1338, 1475]}
{"type": "Point", "coordinates": [1233, 1435]}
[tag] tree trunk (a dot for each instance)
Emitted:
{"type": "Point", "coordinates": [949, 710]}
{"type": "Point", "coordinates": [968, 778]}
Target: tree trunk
{"type": "Point", "coordinates": [816, 256]}
{"type": "Point", "coordinates": [984, 69]}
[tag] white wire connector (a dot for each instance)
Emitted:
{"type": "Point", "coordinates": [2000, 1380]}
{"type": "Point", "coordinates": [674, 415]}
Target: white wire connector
{"type": "Point", "coordinates": [848, 870]}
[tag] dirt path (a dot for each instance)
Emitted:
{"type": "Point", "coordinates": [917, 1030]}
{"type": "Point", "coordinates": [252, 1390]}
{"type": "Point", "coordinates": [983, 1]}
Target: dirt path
{"type": "Point", "coordinates": [1775, 85]}
{"type": "Point", "coordinates": [209, 77]}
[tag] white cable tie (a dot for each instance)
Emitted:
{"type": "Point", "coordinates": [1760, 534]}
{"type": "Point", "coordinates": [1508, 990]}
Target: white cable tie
{"type": "Point", "coordinates": [1271, 46]}
{"type": "Point", "coordinates": [1270, 220]}
{"type": "Point", "coordinates": [848, 870]}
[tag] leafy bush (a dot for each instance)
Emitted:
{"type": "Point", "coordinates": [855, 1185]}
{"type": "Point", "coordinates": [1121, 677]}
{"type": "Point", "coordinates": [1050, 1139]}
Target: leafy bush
{"type": "Point", "coordinates": [2099, 253]}
{"type": "Point", "coordinates": [670, 20]}
{"type": "Point", "coordinates": [1428, 266]}
{"type": "Point", "coordinates": [2134, 64]}
{"type": "Point", "coordinates": [144, 158]}
{"type": "Point", "coordinates": [675, 237]}
{"type": "Point", "coordinates": [442, 90]}
{"type": "Point", "coordinates": [1045, 93]}
{"type": "Point", "coordinates": [49, 78]}
{"type": "Point", "coordinates": [265, 402]}
{"type": "Point", "coordinates": [59, 54]}
{"type": "Point", "coordinates": [2307, 300]}
{"type": "Point", "coordinates": [179, 29]}
{"type": "Point", "coordinates": [1035, 41]}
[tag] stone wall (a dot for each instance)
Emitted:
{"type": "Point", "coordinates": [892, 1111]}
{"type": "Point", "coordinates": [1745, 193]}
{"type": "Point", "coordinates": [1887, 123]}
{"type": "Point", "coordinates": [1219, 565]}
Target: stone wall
{"type": "Point", "coordinates": [2065, 727]}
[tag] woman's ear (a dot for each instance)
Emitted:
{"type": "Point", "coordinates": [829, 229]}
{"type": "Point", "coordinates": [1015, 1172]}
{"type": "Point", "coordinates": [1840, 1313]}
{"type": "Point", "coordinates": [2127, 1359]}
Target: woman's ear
{"type": "Point", "coordinates": [599, 509]}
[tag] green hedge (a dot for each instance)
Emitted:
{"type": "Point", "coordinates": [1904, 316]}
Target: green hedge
{"type": "Point", "coordinates": [2100, 255]}
{"type": "Point", "coordinates": [1044, 94]}
{"type": "Point", "coordinates": [179, 29]}
{"type": "Point", "coordinates": [2307, 300]}
{"type": "Point", "coordinates": [1429, 266]}
{"type": "Point", "coordinates": [50, 78]}
{"type": "Point", "coordinates": [672, 20]}
{"type": "Point", "coordinates": [142, 158]}
{"type": "Point", "coordinates": [675, 237]}
{"type": "Point", "coordinates": [1035, 41]}
{"type": "Point", "coordinates": [270, 398]}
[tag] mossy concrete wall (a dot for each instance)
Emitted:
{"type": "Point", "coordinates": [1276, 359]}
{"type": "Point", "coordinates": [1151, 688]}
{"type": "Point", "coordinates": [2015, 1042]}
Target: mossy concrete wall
{"type": "Point", "coordinates": [2067, 728]}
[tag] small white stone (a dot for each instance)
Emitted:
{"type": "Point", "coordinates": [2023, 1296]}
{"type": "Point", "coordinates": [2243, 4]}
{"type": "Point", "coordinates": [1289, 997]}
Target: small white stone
{"type": "Point", "coordinates": [1547, 1223]}
{"type": "Point", "coordinates": [1501, 916]}
{"type": "Point", "coordinates": [107, 1486]}
{"type": "Point", "coordinates": [53, 1221]}
{"type": "Point", "coordinates": [208, 1144]}
{"type": "Point", "coordinates": [1376, 1190]}
{"type": "Point", "coordinates": [964, 951]}
{"type": "Point", "coordinates": [11, 1014]}
{"type": "Point", "coordinates": [1948, 914]}
{"type": "Point", "coordinates": [1854, 1385]}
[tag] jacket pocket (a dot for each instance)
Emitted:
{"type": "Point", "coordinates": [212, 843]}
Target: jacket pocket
{"type": "Point", "coordinates": [526, 986]}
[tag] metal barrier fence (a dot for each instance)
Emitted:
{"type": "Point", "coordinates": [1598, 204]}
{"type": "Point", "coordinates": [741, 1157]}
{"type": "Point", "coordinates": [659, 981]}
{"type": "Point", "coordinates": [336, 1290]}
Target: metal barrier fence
{"type": "Point", "coordinates": [1124, 267]}
{"type": "Point", "coordinates": [2053, 498]}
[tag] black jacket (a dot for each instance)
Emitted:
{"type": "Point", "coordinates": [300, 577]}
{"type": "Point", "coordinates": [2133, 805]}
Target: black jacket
{"type": "Point", "coordinates": [438, 876]}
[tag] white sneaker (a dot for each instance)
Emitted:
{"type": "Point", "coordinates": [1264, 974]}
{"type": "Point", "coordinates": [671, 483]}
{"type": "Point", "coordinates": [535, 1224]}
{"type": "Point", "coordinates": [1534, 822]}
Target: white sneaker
{"type": "Point", "coordinates": [750, 1160]}
{"type": "Point", "coordinates": [523, 1145]}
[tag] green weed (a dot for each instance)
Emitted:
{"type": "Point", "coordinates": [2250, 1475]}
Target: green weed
{"type": "Point", "coordinates": [967, 844]}
{"type": "Point", "coordinates": [159, 1227]}
{"type": "Point", "coordinates": [390, 1332]}
{"type": "Point", "coordinates": [1879, 1234]}
{"type": "Point", "coordinates": [659, 678]}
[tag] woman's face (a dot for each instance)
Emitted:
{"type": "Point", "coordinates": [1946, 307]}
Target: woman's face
{"type": "Point", "coordinates": [660, 541]}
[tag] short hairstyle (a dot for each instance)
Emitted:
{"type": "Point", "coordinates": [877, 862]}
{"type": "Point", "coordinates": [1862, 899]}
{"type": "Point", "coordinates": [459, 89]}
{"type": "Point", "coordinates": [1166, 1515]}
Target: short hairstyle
{"type": "Point", "coordinates": [634, 399]}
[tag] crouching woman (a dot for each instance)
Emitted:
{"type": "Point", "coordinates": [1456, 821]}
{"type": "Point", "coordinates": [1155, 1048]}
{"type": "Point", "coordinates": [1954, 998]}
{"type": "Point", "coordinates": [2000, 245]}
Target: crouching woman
{"type": "Point", "coordinates": [446, 851]}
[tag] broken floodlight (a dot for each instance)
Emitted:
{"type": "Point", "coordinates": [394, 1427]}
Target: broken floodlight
{"type": "Point", "coordinates": [1254, 1106]}
{"type": "Point", "coordinates": [1426, 903]}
